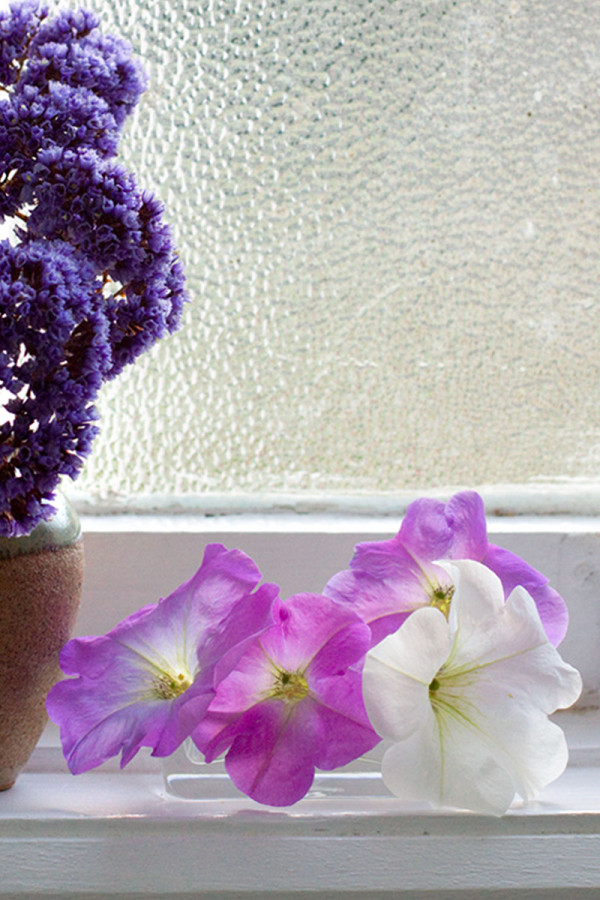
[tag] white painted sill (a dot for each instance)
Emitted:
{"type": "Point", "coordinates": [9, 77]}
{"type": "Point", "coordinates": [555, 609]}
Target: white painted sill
{"type": "Point", "coordinates": [119, 834]}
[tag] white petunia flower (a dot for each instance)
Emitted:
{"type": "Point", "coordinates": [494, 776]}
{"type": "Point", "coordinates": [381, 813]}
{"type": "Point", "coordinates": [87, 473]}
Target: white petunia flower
{"type": "Point", "coordinates": [466, 701]}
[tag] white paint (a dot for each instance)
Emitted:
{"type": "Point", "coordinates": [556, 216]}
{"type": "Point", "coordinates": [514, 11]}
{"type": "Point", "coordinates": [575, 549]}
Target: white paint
{"type": "Point", "coordinates": [132, 561]}
{"type": "Point", "coordinates": [119, 833]}
{"type": "Point", "coordinates": [568, 497]}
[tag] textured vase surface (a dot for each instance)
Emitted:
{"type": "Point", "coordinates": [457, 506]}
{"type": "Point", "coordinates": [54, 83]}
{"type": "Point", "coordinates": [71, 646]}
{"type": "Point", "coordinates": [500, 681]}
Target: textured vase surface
{"type": "Point", "coordinates": [41, 577]}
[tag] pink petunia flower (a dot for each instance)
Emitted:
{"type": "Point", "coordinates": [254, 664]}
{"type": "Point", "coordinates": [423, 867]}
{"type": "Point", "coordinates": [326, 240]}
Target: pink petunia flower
{"type": "Point", "coordinates": [293, 702]}
{"type": "Point", "coordinates": [388, 580]}
{"type": "Point", "coordinates": [149, 681]}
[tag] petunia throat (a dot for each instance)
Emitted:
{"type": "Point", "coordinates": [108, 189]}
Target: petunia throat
{"type": "Point", "coordinates": [448, 694]}
{"type": "Point", "coordinates": [440, 596]}
{"type": "Point", "coordinates": [289, 686]}
{"type": "Point", "coordinates": [168, 686]}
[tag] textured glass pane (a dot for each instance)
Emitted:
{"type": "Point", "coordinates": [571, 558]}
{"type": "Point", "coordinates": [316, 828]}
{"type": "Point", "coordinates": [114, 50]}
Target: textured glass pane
{"type": "Point", "coordinates": [389, 213]}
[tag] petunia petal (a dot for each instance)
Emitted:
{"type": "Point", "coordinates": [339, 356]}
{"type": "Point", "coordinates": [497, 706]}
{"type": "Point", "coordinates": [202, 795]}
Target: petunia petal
{"type": "Point", "coordinates": [456, 529]}
{"type": "Point", "coordinates": [411, 768]}
{"type": "Point", "coordinates": [305, 625]}
{"type": "Point", "coordinates": [514, 571]}
{"type": "Point", "coordinates": [384, 606]}
{"type": "Point", "coordinates": [339, 705]}
{"type": "Point", "coordinates": [517, 669]}
{"type": "Point", "coordinates": [92, 730]}
{"type": "Point", "coordinates": [216, 597]}
{"type": "Point", "coordinates": [477, 593]}
{"type": "Point", "coordinates": [346, 647]}
{"type": "Point", "coordinates": [271, 759]}
{"type": "Point", "coordinates": [250, 616]}
{"type": "Point", "coordinates": [96, 725]}
{"type": "Point", "coordinates": [505, 642]}
{"type": "Point", "coordinates": [249, 683]}
{"type": "Point", "coordinates": [522, 740]}
{"type": "Point", "coordinates": [447, 766]}
{"type": "Point", "coordinates": [470, 775]}
{"type": "Point", "coordinates": [399, 670]}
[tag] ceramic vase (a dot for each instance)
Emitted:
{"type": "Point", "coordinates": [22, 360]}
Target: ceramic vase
{"type": "Point", "coordinates": [41, 577]}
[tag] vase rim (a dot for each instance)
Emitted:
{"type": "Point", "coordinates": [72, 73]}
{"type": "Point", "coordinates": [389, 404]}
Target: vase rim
{"type": "Point", "coordinates": [63, 529]}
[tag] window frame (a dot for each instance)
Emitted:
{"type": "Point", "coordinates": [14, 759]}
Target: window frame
{"type": "Point", "coordinates": [58, 832]}
{"type": "Point", "coordinates": [133, 560]}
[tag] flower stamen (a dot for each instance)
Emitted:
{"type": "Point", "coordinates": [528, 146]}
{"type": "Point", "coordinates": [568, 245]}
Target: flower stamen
{"type": "Point", "coordinates": [440, 596]}
{"type": "Point", "coordinates": [168, 686]}
{"type": "Point", "coordinates": [289, 686]}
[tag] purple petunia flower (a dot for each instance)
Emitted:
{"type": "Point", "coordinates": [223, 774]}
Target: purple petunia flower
{"type": "Point", "coordinates": [388, 580]}
{"type": "Point", "coordinates": [149, 681]}
{"type": "Point", "coordinates": [292, 702]}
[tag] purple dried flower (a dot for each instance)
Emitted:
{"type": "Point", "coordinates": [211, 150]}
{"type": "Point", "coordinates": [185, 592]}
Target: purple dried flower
{"type": "Point", "coordinates": [119, 228]}
{"type": "Point", "coordinates": [71, 50]}
{"type": "Point", "coordinates": [95, 279]}
{"type": "Point", "coordinates": [18, 25]}
{"type": "Point", "coordinates": [63, 116]}
{"type": "Point", "coordinates": [69, 86]}
{"type": "Point", "coordinates": [54, 350]}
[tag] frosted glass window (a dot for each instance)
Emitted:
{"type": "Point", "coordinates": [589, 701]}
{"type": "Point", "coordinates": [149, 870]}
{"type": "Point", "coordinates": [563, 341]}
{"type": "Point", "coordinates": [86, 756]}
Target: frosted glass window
{"type": "Point", "coordinates": [390, 216]}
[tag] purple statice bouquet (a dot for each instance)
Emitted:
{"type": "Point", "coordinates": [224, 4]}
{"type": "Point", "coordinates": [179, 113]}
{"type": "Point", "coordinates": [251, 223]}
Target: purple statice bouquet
{"type": "Point", "coordinates": [436, 642]}
{"type": "Point", "coordinates": [89, 277]}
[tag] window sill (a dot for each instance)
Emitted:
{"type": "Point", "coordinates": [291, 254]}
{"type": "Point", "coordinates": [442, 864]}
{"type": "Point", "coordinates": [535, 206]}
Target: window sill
{"type": "Point", "coordinates": [120, 834]}
{"type": "Point", "coordinates": [133, 560]}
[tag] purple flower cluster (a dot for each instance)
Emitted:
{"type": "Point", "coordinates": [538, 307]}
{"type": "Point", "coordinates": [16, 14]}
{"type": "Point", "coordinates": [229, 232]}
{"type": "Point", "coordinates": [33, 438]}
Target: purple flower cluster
{"type": "Point", "coordinates": [70, 87]}
{"type": "Point", "coordinates": [54, 354]}
{"type": "Point", "coordinates": [94, 279]}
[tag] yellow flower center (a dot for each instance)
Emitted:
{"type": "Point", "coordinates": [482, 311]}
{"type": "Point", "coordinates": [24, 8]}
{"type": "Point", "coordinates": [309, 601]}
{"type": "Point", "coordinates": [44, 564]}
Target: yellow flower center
{"type": "Point", "coordinates": [289, 686]}
{"type": "Point", "coordinates": [440, 596]}
{"type": "Point", "coordinates": [169, 685]}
